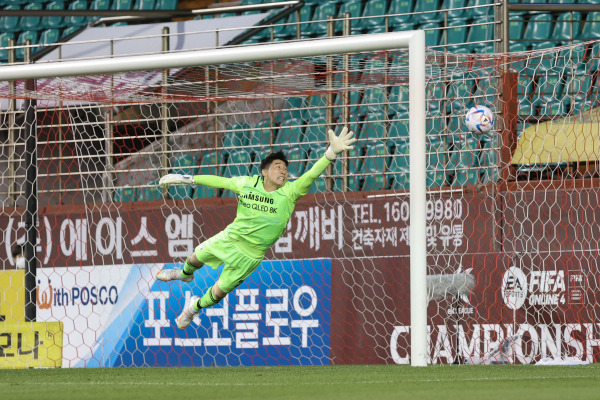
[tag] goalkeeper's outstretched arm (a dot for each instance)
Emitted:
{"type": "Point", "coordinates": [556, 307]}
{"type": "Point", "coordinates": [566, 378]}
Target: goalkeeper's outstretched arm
{"type": "Point", "coordinates": [213, 181]}
{"type": "Point", "coordinates": [337, 145]}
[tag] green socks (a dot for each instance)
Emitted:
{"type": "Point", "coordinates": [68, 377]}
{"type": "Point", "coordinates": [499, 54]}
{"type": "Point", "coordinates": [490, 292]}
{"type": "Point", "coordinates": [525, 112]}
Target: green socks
{"type": "Point", "coordinates": [188, 269]}
{"type": "Point", "coordinates": [207, 300]}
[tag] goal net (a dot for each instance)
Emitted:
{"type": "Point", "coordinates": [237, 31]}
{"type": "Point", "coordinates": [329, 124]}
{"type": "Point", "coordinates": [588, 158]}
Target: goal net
{"type": "Point", "coordinates": [511, 216]}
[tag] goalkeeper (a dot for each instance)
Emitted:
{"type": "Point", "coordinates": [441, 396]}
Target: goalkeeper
{"type": "Point", "coordinates": [265, 205]}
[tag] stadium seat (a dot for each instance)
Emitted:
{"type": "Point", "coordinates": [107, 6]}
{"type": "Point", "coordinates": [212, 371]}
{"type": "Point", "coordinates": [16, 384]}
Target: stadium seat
{"type": "Point", "coordinates": [31, 22]}
{"type": "Point", "coordinates": [400, 13]}
{"type": "Point", "coordinates": [49, 36]}
{"type": "Point", "coordinates": [151, 193]}
{"type": "Point", "coordinates": [374, 127]}
{"type": "Point", "coordinates": [579, 85]}
{"type": "Point", "coordinates": [54, 22]}
{"type": "Point", "coordinates": [567, 28]}
{"type": "Point", "coordinates": [484, 9]}
{"type": "Point", "coordinates": [353, 99]}
{"type": "Point", "coordinates": [354, 8]}
{"type": "Point", "coordinates": [314, 133]}
{"type": "Point", "coordinates": [166, 5]}
{"type": "Point", "coordinates": [297, 162]}
{"type": "Point", "coordinates": [538, 29]}
{"type": "Point", "coordinates": [373, 15]}
{"type": "Point", "coordinates": [261, 133]}
{"type": "Point", "coordinates": [294, 108]}
{"type": "Point", "coordinates": [481, 36]}
{"type": "Point", "coordinates": [464, 155]}
{"type": "Point", "coordinates": [291, 133]}
{"type": "Point", "coordinates": [122, 4]}
{"type": "Point", "coordinates": [427, 11]}
{"type": "Point", "coordinates": [398, 131]}
{"type": "Point", "coordinates": [373, 100]}
{"type": "Point", "coordinates": [488, 162]}
{"type": "Point", "coordinates": [591, 27]}
{"type": "Point", "coordinates": [10, 24]}
{"type": "Point", "coordinates": [516, 27]}
{"type": "Point", "coordinates": [400, 160]}
{"type": "Point", "coordinates": [437, 158]}
{"type": "Point", "coordinates": [555, 107]}
{"type": "Point", "coordinates": [238, 164]}
{"type": "Point", "coordinates": [319, 26]}
{"type": "Point", "coordinates": [376, 157]}
{"type": "Point", "coordinates": [549, 88]}
{"type": "Point", "coordinates": [125, 194]}
{"type": "Point", "coordinates": [456, 9]}
{"type": "Point", "coordinates": [318, 186]}
{"type": "Point", "coordinates": [236, 137]}
{"type": "Point", "coordinates": [32, 36]}
{"type": "Point", "coordinates": [258, 157]}
{"type": "Point", "coordinates": [75, 22]}
{"type": "Point", "coordinates": [460, 92]}
{"type": "Point", "coordinates": [398, 100]}
{"type": "Point", "coordinates": [4, 42]}
{"type": "Point", "coordinates": [317, 106]}
{"type": "Point", "coordinates": [288, 30]}
{"type": "Point", "coordinates": [353, 162]}
{"type": "Point", "coordinates": [375, 182]}
{"type": "Point", "coordinates": [456, 36]}
{"type": "Point", "coordinates": [432, 33]}
{"type": "Point", "coordinates": [144, 5]}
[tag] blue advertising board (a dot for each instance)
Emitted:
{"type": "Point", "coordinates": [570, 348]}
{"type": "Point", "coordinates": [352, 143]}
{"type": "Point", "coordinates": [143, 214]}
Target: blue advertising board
{"type": "Point", "coordinates": [279, 316]}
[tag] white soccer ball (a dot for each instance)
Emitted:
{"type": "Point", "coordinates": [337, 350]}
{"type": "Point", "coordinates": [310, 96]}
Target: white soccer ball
{"type": "Point", "coordinates": [480, 119]}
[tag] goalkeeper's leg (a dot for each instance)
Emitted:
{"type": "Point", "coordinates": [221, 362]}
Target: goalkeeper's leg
{"type": "Point", "coordinates": [186, 274]}
{"type": "Point", "coordinates": [212, 296]}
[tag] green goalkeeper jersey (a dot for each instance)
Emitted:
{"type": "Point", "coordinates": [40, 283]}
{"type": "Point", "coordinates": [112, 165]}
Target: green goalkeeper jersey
{"type": "Point", "coordinates": [262, 216]}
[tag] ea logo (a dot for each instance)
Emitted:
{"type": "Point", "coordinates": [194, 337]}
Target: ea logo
{"type": "Point", "coordinates": [514, 288]}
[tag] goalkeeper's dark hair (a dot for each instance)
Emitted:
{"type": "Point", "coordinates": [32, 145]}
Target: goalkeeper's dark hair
{"type": "Point", "coordinates": [278, 155]}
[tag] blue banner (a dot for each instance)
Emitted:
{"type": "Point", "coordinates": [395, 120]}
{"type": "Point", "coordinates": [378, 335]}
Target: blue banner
{"type": "Point", "coordinates": [279, 316]}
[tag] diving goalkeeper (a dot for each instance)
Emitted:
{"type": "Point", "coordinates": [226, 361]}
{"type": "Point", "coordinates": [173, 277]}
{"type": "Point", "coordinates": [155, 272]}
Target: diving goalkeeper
{"type": "Point", "coordinates": [265, 205]}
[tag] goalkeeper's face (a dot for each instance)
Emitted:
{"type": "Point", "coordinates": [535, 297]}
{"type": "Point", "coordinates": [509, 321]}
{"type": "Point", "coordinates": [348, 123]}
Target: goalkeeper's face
{"type": "Point", "coordinates": [276, 175]}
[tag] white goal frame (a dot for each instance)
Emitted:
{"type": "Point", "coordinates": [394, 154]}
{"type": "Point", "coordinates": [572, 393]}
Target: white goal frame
{"type": "Point", "coordinates": [413, 40]}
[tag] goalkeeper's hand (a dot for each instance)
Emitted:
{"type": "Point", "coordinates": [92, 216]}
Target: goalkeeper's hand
{"type": "Point", "coordinates": [175, 179]}
{"type": "Point", "coordinates": [339, 144]}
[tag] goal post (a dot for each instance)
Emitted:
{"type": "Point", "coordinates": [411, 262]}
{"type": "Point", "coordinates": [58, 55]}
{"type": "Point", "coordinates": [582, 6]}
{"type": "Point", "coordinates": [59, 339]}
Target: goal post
{"type": "Point", "coordinates": [414, 41]}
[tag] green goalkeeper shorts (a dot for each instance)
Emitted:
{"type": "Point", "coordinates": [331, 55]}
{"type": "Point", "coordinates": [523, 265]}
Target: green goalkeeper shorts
{"type": "Point", "coordinates": [222, 249]}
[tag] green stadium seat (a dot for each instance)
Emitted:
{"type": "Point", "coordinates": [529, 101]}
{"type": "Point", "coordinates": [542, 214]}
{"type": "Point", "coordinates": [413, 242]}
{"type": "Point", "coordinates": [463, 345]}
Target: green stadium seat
{"type": "Point", "coordinates": [567, 27]}
{"type": "Point", "coordinates": [456, 9]}
{"type": "Point", "coordinates": [437, 158]}
{"type": "Point", "coordinates": [456, 36]}
{"type": "Point", "coordinates": [54, 22]}
{"type": "Point", "coordinates": [144, 5]}
{"type": "Point", "coordinates": [374, 127]}
{"type": "Point", "coordinates": [373, 15]}
{"type": "Point", "coordinates": [466, 176]}
{"type": "Point", "coordinates": [314, 134]}
{"type": "Point", "coordinates": [354, 99]}
{"type": "Point", "coordinates": [297, 162]}
{"type": "Point", "coordinates": [479, 35]}
{"type": "Point", "coordinates": [460, 91]}
{"type": "Point", "coordinates": [294, 108]}
{"type": "Point", "coordinates": [317, 106]}
{"type": "Point", "coordinates": [401, 181]}
{"type": "Point", "coordinates": [319, 26]}
{"type": "Point", "coordinates": [288, 30]}
{"type": "Point", "coordinates": [484, 9]}
{"type": "Point", "coordinates": [75, 22]}
{"type": "Point", "coordinates": [166, 5]}
{"type": "Point", "coordinates": [353, 160]}
{"type": "Point", "coordinates": [539, 28]}
{"type": "Point", "coordinates": [4, 42]}
{"type": "Point", "coordinates": [122, 4]}
{"type": "Point", "coordinates": [464, 155]}
{"type": "Point", "coordinates": [488, 162]}
{"type": "Point", "coordinates": [579, 85]}
{"type": "Point", "coordinates": [572, 59]}
{"type": "Point", "coordinates": [400, 160]}
{"type": "Point", "coordinates": [549, 88]}
{"type": "Point", "coordinates": [427, 11]}
{"type": "Point", "coordinates": [399, 130]}
{"type": "Point", "coordinates": [375, 182]}
{"type": "Point", "coordinates": [238, 164]}
{"type": "Point", "coordinates": [432, 33]}
{"type": "Point", "coordinates": [354, 8]}
{"type": "Point", "coordinates": [32, 36]}
{"type": "Point", "coordinates": [436, 95]}
{"type": "Point", "coordinates": [373, 100]}
{"type": "Point", "coordinates": [237, 136]}
{"type": "Point", "coordinates": [151, 193]}
{"type": "Point", "coordinates": [258, 157]}
{"type": "Point", "coordinates": [581, 104]}
{"type": "Point", "coordinates": [125, 194]}
{"type": "Point", "coordinates": [318, 186]}
{"type": "Point", "coordinates": [591, 27]}
{"type": "Point", "coordinates": [49, 36]}
{"type": "Point", "coordinates": [31, 22]}
{"type": "Point", "coordinates": [261, 134]}
{"type": "Point", "coordinates": [398, 100]}
{"type": "Point", "coordinates": [291, 133]}
{"type": "Point", "coordinates": [376, 157]}
{"type": "Point", "coordinates": [400, 13]}
{"type": "Point", "coordinates": [10, 24]}
{"type": "Point", "coordinates": [516, 27]}
{"type": "Point", "coordinates": [249, 2]}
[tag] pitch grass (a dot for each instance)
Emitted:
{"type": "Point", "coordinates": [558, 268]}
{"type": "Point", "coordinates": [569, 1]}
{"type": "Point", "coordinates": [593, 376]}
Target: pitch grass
{"type": "Point", "coordinates": [374, 382]}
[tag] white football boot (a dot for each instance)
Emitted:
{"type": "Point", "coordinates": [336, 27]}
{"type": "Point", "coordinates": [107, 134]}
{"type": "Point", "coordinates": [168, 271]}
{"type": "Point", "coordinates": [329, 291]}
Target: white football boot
{"type": "Point", "coordinates": [167, 275]}
{"type": "Point", "coordinates": [187, 315]}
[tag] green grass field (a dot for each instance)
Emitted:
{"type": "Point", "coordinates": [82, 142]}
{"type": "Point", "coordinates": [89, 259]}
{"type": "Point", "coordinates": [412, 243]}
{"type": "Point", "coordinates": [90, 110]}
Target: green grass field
{"type": "Point", "coordinates": [330, 382]}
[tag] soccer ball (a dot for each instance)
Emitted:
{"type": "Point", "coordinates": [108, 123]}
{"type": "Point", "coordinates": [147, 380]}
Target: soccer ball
{"type": "Point", "coordinates": [480, 119]}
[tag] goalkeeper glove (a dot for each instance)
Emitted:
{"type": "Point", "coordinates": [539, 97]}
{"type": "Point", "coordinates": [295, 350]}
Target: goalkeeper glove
{"type": "Point", "coordinates": [339, 144]}
{"type": "Point", "coordinates": [175, 179]}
